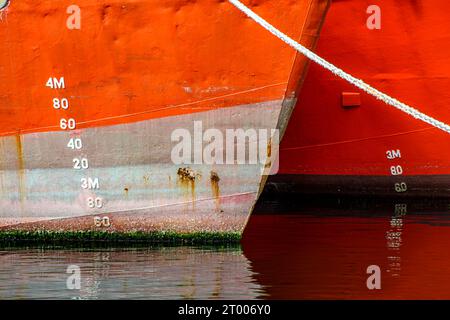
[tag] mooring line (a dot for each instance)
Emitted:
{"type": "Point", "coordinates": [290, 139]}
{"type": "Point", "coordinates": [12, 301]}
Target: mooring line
{"type": "Point", "coordinates": [339, 72]}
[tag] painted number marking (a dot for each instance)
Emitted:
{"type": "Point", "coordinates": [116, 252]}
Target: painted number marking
{"type": "Point", "coordinates": [75, 143]}
{"type": "Point", "coordinates": [67, 124]}
{"type": "Point", "coordinates": [393, 154]}
{"type": "Point", "coordinates": [55, 83]}
{"type": "Point", "coordinates": [95, 202]}
{"type": "Point", "coordinates": [90, 183]}
{"type": "Point", "coordinates": [396, 170]}
{"type": "Point", "coordinates": [102, 222]}
{"type": "Point", "coordinates": [61, 103]}
{"type": "Point", "coordinates": [80, 163]}
{"type": "Point", "coordinates": [401, 187]}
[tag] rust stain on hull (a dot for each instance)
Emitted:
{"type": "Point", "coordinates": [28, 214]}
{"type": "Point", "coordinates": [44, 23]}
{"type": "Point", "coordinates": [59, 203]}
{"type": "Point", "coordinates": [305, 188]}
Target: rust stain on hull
{"type": "Point", "coordinates": [20, 167]}
{"type": "Point", "coordinates": [215, 188]}
{"type": "Point", "coordinates": [2, 152]}
{"type": "Point", "coordinates": [187, 179]}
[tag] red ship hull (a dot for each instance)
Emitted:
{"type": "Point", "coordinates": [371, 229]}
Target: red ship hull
{"type": "Point", "coordinates": [371, 147]}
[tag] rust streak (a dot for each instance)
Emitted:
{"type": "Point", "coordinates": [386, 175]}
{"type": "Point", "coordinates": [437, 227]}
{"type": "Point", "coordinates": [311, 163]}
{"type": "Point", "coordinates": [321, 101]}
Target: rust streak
{"type": "Point", "coordinates": [215, 188]}
{"type": "Point", "coordinates": [187, 178]}
{"type": "Point", "coordinates": [21, 167]}
{"type": "Point", "coordinates": [2, 152]}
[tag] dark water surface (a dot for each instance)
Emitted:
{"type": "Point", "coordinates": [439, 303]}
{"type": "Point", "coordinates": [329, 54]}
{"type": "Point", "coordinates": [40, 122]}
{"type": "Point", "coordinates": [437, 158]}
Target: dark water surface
{"type": "Point", "coordinates": [292, 249]}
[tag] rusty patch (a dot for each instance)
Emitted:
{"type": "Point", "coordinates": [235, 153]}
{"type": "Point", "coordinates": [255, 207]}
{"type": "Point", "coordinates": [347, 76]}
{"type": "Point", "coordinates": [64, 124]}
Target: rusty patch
{"type": "Point", "coordinates": [187, 178]}
{"type": "Point", "coordinates": [187, 174]}
{"type": "Point", "coordinates": [21, 167]}
{"type": "Point", "coordinates": [215, 188]}
{"type": "Point", "coordinates": [214, 177]}
{"type": "Point", "coordinates": [269, 154]}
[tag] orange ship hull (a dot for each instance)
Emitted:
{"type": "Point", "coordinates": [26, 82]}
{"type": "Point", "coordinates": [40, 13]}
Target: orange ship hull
{"type": "Point", "coordinates": [92, 93]}
{"type": "Point", "coordinates": [338, 142]}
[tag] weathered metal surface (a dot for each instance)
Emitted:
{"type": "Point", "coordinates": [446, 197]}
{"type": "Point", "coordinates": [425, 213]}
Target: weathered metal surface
{"type": "Point", "coordinates": [142, 188]}
{"type": "Point", "coordinates": [134, 72]}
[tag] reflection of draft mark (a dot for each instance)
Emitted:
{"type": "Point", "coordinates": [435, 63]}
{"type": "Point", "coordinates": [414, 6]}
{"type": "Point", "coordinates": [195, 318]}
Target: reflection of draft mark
{"type": "Point", "coordinates": [394, 239]}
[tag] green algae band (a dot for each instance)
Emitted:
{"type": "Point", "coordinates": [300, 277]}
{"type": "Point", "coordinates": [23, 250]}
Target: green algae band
{"type": "Point", "coordinates": [52, 237]}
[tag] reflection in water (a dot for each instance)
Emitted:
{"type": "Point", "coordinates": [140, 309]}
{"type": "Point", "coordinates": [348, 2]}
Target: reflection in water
{"type": "Point", "coordinates": [394, 239]}
{"type": "Point", "coordinates": [304, 248]}
{"type": "Point", "coordinates": [134, 273]}
{"type": "Point", "coordinates": [320, 248]}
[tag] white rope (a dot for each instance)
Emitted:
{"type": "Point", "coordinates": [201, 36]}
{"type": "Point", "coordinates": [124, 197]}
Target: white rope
{"type": "Point", "coordinates": [339, 72]}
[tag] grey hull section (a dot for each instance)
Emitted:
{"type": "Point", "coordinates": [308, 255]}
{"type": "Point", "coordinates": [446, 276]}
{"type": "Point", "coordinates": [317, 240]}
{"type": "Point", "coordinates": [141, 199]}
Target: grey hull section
{"type": "Point", "coordinates": [136, 175]}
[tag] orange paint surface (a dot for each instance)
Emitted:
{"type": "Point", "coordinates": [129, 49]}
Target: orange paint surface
{"type": "Point", "coordinates": [136, 60]}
